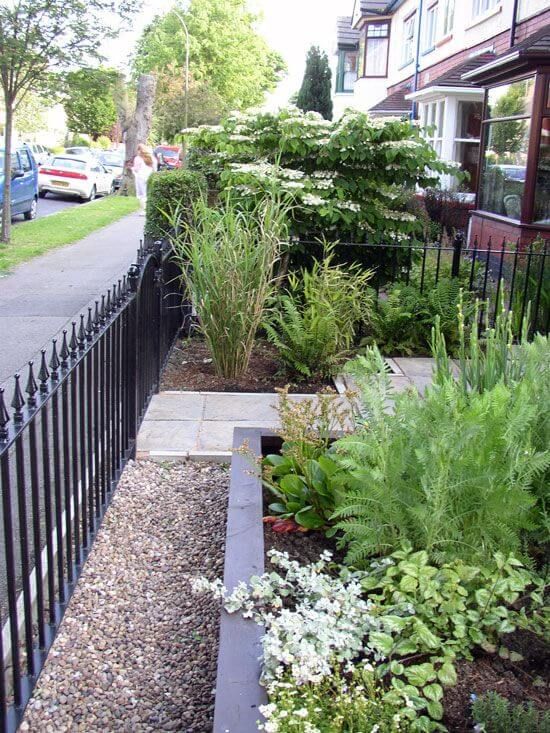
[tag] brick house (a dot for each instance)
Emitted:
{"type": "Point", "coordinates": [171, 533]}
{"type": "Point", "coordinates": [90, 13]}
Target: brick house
{"type": "Point", "coordinates": [434, 60]}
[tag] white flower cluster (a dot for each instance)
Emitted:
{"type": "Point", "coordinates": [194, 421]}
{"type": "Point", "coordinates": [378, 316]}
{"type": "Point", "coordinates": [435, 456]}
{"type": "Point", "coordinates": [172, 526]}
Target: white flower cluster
{"type": "Point", "coordinates": [290, 174]}
{"type": "Point", "coordinates": [324, 174]}
{"type": "Point", "coordinates": [348, 206]}
{"type": "Point", "coordinates": [310, 199]}
{"type": "Point", "coordinates": [325, 622]}
{"type": "Point", "coordinates": [240, 138]}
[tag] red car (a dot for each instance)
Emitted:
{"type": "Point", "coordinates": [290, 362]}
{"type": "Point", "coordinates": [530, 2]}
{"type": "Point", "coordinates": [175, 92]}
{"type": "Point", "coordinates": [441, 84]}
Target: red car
{"type": "Point", "coordinates": [168, 156]}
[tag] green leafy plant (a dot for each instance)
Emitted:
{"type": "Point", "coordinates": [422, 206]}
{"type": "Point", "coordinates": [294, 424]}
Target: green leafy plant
{"type": "Point", "coordinates": [429, 616]}
{"type": "Point", "coordinates": [301, 477]}
{"type": "Point", "coordinates": [350, 177]}
{"type": "Point", "coordinates": [405, 319]}
{"type": "Point", "coordinates": [227, 259]}
{"type": "Point", "coordinates": [494, 714]}
{"type": "Point", "coordinates": [171, 193]}
{"type": "Point", "coordinates": [313, 324]}
{"type": "Point", "coordinates": [453, 474]}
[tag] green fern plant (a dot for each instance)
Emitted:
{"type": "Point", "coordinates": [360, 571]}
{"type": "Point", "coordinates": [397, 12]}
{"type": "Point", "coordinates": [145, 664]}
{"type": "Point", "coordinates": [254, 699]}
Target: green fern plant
{"type": "Point", "coordinates": [314, 323]}
{"type": "Point", "coordinates": [453, 474]}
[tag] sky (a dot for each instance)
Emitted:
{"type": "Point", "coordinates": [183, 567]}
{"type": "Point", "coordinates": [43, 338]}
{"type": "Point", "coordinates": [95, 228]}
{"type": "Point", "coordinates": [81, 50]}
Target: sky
{"type": "Point", "coordinates": [289, 26]}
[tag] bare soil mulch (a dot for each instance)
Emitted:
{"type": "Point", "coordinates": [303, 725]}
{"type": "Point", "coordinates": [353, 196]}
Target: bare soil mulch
{"type": "Point", "coordinates": [190, 369]}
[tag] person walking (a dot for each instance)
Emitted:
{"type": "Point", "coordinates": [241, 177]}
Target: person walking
{"type": "Point", "coordinates": [142, 167]}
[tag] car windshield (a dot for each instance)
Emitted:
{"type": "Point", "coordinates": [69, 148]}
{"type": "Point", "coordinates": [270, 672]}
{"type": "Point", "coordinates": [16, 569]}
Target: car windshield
{"type": "Point", "coordinates": [168, 153]}
{"type": "Point", "coordinates": [112, 159]}
{"type": "Point", "coordinates": [72, 163]}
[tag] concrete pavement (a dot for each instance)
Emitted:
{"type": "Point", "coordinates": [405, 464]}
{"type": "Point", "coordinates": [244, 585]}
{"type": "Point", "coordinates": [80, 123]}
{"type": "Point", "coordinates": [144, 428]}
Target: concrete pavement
{"type": "Point", "coordinates": [41, 296]}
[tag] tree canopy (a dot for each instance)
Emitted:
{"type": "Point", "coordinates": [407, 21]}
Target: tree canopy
{"type": "Point", "coordinates": [89, 102]}
{"type": "Point", "coordinates": [226, 51]}
{"type": "Point", "coordinates": [315, 92]}
{"type": "Point", "coordinates": [41, 37]}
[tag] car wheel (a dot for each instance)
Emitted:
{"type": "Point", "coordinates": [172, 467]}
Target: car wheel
{"type": "Point", "coordinates": [31, 213]}
{"type": "Point", "coordinates": [92, 195]}
{"type": "Point", "coordinates": [42, 194]}
{"type": "Point", "coordinates": [112, 190]}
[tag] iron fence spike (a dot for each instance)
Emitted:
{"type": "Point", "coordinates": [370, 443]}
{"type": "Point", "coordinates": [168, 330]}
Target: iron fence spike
{"type": "Point", "coordinates": [43, 373]}
{"type": "Point", "coordinates": [73, 343]}
{"type": "Point", "coordinates": [54, 361]}
{"type": "Point", "coordinates": [32, 387]}
{"type": "Point", "coordinates": [64, 351]}
{"type": "Point", "coordinates": [4, 418]}
{"type": "Point", "coordinates": [108, 308]}
{"type": "Point", "coordinates": [18, 401]}
{"type": "Point", "coordinates": [82, 331]}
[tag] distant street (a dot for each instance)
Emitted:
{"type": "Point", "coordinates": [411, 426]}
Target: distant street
{"type": "Point", "coordinates": [50, 205]}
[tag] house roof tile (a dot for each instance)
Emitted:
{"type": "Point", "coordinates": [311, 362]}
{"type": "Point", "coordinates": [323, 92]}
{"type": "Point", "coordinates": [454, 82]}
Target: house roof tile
{"type": "Point", "coordinates": [346, 35]}
{"type": "Point", "coordinates": [394, 104]}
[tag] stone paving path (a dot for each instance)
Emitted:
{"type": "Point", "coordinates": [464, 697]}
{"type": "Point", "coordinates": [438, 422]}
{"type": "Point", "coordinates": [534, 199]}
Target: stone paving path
{"type": "Point", "coordinates": [199, 425]}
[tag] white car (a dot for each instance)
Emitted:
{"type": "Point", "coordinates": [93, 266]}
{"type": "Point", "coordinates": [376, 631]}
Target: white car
{"type": "Point", "coordinates": [40, 152]}
{"type": "Point", "coordinates": [83, 177]}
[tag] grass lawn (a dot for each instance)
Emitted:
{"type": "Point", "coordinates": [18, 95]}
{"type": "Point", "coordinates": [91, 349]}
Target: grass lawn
{"type": "Point", "coordinates": [33, 238]}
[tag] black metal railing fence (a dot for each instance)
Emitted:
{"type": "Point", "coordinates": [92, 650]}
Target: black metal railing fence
{"type": "Point", "coordinates": [510, 274]}
{"type": "Point", "coordinates": [72, 427]}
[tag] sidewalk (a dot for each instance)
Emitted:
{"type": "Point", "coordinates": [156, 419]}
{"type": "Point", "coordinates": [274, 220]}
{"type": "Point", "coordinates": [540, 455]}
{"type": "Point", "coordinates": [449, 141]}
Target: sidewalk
{"type": "Point", "coordinates": [41, 296]}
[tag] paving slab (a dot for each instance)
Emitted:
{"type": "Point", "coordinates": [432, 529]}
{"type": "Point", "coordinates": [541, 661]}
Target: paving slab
{"type": "Point", "coordinates": [176, 406]}
{"type": "Point", "coordinates": [415, 366]}
{"type": "Point", "coordinates": [168, 435]}
{"type": "Point", "coordinates": [217, 435]}
{"type": "Point", "coordinates": [232, 406]}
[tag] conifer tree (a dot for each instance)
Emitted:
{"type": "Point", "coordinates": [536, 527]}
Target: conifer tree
{"type": "Point", "coordinates": [315, 92]}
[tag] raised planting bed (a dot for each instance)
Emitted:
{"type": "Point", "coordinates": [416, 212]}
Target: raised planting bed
{"type": "Point", "coordinates": [190, 369]}
{"type": "Point", "coordinates": [238, 692]}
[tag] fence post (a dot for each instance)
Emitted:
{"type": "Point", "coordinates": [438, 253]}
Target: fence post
{"type": "Point", "coordinates": [458, 244]}
{"type": "Point", "coordinates": [132, 362]}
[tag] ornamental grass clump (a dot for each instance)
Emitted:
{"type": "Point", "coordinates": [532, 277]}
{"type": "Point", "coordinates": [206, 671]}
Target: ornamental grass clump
{"type": "Point", "coordinates": [227, 258]}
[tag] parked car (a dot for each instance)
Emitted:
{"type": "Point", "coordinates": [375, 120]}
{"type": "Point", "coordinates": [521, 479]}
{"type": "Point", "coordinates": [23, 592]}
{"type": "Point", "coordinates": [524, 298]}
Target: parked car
{"type": "Point", "coordinates": [24, 182]}
{"type": "Point", "coordinates": [84, 177]}
{"type": "Point", "coordinates": [113, 160]}
{"type": "Point", "coordinates": [41, 153]}
{"type": "Point", "coordinates": [168, 156]}
{"type": "Point", "coordinates": [80, 151]}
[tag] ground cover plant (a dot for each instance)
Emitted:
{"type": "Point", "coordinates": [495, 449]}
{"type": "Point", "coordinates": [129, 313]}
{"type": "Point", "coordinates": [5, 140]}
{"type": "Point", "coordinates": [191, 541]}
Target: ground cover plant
{"type": "Point", "coordinates": [494, 714]}
{"type": "Point", "coordinates": [227, 259]}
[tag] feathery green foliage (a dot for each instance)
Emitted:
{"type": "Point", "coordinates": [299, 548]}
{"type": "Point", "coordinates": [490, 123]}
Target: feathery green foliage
{"type": "Point", "coordinates": [452, 473]}
{"type": "Point", "coordinates": [314, 322]}
{"type": "Point", "coordinates": [496, 715]}
{"type": "Point", "coordinates": [404, 321]}
{"type": "Point", "coordinates": [227, 258]}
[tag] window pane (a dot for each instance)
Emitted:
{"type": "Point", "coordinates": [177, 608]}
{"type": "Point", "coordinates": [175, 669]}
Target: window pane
{"type": "Point", "coordinates": [25, 160]}
{"type": "Point", "coordinates": [503, 168]}
{"type": "Point", "coordinates": [542, 189]}
{"type": "Point", "coordinates": [467, 154]}
{"type": "Point", "coordinates": [431, 27]}
{"type": "Point", "coordinates": [361, 63]}
{"type": "Point", "coordinates": [377, 30]}
{"type": "Point", "coordinates": [513, 99]}
{"type": "Point", "coordinates": [448, 16]}
{"type": "Point", "coordinates": [377, 55]}
{"type": "Point", "coordinates": [469, 120]}
{"type": "Point", "coordinates": [408, 38]}
{"type": "Point", "coordinates": [482, 6]}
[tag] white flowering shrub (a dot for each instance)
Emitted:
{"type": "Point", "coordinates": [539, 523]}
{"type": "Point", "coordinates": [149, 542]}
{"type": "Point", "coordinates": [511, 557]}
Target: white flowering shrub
{"type": "Point", "coordinates": [351, 177]}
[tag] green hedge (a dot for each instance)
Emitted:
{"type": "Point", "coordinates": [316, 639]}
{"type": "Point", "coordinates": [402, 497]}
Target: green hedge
{"type": "Point", "coordinates": [164, 191]}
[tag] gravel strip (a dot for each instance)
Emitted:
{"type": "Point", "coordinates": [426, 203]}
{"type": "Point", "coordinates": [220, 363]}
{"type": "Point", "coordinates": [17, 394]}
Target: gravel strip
{"type": "Point", "coordinates": [137, 651]}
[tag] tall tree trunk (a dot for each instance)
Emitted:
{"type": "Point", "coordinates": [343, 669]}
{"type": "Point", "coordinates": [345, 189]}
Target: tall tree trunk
{"type": "Point", "coordinates": [138, 126]}
{"type": "Point", "coordinates": [6, 206]}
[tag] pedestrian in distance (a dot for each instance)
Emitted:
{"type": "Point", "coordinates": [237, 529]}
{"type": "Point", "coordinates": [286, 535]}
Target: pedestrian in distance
{"type": "Point", "coordinates": [144, 164]}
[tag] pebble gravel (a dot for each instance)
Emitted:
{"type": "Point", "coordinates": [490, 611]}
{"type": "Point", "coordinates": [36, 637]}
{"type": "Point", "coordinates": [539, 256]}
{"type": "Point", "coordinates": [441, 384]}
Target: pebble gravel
{"type": "Point", "coordinates": [136, 650]}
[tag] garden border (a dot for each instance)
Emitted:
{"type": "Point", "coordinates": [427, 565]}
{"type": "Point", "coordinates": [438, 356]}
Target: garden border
{"type": "Point", "coordinates": [238, 690]}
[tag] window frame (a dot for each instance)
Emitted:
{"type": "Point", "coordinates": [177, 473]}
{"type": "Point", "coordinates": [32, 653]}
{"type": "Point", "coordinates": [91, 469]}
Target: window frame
{"type": "Point", "coordinates": [341, 72]}
{"type": "Point", "coordinates": [447, 31]}
{"type": "Point", "coordinates": [538, 112]}
{"type": "Point", "coordinates": [368, 25]}
{"type": "Point", "coordinates": [477, 12]}
{"type": "Point", "coordinates": [437, 109]}
{"type": "Point", "coordinates": [430, 43]}
{"type": "Point", "coordinates": [405, 61]}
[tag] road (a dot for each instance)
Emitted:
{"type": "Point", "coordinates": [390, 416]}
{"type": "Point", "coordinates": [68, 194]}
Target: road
{"type": "Point", "coordinates": [50, 205]}
{"type": "Point", "coordinates": [41, 296]}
